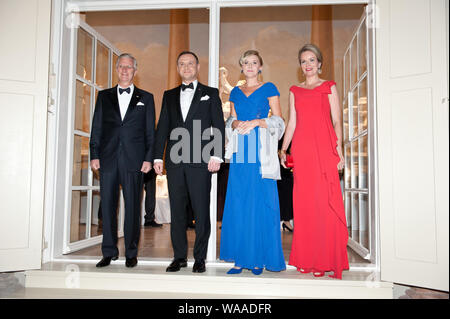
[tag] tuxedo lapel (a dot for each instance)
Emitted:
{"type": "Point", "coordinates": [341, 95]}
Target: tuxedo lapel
{"type": "Point", "coordinates": [115, 101]}
{"type": "Point", "coordinates": [195, 102]}
{"type": "Point", "coordinates": [177, 104]}
{"type": "Point", "coordinates": [134, 99]}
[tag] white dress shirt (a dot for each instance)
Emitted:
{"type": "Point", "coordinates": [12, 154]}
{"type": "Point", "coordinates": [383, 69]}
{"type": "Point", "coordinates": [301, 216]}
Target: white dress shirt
{"type": "Point", "coordinates": [124, 99]}
{"type": "Point", "coordinates": [186, 97]}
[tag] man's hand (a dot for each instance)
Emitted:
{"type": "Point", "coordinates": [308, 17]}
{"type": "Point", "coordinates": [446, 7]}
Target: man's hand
{"type": "Point", "coordinates": [158, 166]}
{"type": "Point", "coordinates": [95, 164]}
{"type": "Point", "coordinates": [146, 167]}
{"type": "Point", "coordinates": [213, 165]}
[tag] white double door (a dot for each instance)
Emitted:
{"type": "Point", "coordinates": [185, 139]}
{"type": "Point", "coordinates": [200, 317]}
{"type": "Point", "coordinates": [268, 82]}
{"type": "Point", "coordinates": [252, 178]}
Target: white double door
{"type": "Point", "coordinates": [412, 136]}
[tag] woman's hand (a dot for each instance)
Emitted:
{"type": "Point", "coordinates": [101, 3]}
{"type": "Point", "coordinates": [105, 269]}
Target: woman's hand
{"type": "Point", "coordinates": [282, 156]}
{"type": "Point", "coordinates": [244, 127]}
{"type": "Point", "coordinates": [341, 163]}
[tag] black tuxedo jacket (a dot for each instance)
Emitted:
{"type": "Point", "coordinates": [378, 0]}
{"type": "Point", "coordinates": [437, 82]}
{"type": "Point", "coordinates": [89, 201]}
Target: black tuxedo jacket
{"type": "Point", "coordinates": [205, 112]}
{"type": "Point", "coordinates": [134, 136]}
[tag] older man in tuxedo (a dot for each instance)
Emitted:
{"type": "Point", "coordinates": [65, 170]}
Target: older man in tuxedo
{"type": "Point", "coordinates": [192, 125]}
{"type": "Point", "coordinates": [121, 147]}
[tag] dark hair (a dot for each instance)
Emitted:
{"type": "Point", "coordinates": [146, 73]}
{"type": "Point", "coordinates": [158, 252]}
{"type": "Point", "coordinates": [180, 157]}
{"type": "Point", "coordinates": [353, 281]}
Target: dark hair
{"type": "Point", "coordinates": [188, 52]}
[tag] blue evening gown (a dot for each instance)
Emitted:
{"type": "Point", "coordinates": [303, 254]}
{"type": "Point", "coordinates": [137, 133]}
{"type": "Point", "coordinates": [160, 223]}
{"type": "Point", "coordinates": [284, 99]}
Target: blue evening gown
{"type": "Point", "coordinates": [250, 235]}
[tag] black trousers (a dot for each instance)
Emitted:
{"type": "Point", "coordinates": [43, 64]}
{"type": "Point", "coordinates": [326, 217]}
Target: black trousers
{"type": "Point", "coordinates": [189, 184]}
{"type": "Point", "coordinates": [285, 187]}
{"type": "Point", "coordinates": [150, 195]}
{"type": "Point", "coordinates": [131, 182]}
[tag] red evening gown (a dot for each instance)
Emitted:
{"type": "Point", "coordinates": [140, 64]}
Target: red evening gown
{"type": "Point", "coordinates": [320, 237]}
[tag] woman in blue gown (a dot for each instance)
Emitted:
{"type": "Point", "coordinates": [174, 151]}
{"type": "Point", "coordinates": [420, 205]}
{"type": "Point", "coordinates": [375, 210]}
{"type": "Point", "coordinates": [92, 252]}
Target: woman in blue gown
{"type": "Point", "coordinates": [250, 235]}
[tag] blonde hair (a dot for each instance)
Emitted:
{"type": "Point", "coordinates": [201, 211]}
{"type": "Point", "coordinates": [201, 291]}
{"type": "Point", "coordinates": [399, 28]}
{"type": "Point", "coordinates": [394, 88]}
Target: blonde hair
{"type": "Point", "coordinates": [314, 49]}
{"type": "Point", "coordinates": [249, 53]}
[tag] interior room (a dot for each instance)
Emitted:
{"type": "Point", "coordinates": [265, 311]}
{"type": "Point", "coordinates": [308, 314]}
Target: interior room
{"type": "Point", "coordinates": [277, 33]}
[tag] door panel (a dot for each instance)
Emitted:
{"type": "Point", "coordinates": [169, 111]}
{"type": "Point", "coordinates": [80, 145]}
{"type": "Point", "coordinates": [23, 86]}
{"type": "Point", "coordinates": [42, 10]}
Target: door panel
{"type": "Point", "coordinates": [412, 94]}
{"type": "Point", "coordinates": [23, 104]}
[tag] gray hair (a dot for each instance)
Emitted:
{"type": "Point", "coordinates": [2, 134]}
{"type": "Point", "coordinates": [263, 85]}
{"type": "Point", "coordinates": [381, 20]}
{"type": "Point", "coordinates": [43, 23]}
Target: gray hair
{"type": "Point", "coordinates": [127, 55]}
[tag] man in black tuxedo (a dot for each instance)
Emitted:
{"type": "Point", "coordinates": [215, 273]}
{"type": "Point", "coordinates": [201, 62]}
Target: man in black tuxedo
{"type": "Point", "coordinates": [191, 122]}
{"type": "Point", "coordinates": [121, 147]}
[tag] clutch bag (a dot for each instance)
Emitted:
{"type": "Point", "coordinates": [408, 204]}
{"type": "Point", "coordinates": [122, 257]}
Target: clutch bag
{"type": "Point", "coordinates": [289, 161]}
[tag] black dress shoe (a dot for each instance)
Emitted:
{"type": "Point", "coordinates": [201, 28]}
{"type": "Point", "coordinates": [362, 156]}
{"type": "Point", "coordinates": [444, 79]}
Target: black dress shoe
{"type": "Point", "coordinates": [106, 261]}
{"type": "Point", "coordinates": [152, 224]}
{"type": "Point", "coordinates": [131, 262]}
{"type": "Point", "coordinates": [176, 265]}
{"type": "Point", "coordinates": [199, 266]}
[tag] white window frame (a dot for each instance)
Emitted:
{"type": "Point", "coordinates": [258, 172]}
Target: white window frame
{"type": "Point", "coordinates": [69, 247]}
{"type": "Point", "coordinates": [369, 253]}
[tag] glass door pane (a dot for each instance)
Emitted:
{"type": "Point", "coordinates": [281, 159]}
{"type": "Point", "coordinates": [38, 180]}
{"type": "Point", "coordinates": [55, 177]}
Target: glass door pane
{"type": "Point", "coordinates": [362, 106]}
{"type": "Point", "coordinates": [84, 54]}
{"type": "Point", "coordinates": [363, 162]}
{"type": "Point", "coordinates": [80, 169]}
{"type": "Point", "coordinates": [114, 77]}
{"type": "Point", "coordinates": [82, 107]}
{"type": "Point", "coordinates": [354, 62]}
{"type": "Point", "coordinates": [102, 66]}
{"type": "Point", "coordinates": [96, 216]}
{"type": "Point", "coordinates": [362, 48]}
{"type": "Point", "coordinates": [78, 216]}
{"type": "Point", "coordinates": [364, 220]}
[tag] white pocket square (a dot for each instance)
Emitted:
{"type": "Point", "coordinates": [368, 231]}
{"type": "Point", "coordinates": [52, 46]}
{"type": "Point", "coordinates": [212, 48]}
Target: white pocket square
{"type": "Point", "coordinates": [204, 98]}
{"type": "Point", "coordinates": [140, 103]}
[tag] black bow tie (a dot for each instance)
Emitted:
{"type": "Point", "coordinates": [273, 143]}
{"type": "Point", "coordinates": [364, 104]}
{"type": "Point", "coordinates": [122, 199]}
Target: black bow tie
{"type": "Point", "coordinates": [128, 90]}
{"type": "Point", "coordinates": [189, 86]}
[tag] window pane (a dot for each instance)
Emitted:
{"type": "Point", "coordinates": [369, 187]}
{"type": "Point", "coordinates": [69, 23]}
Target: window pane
{"type": "Point", "coordinates": [364, 220]}
{"type": "Point", "coordinates": [95, 178]}
{"type": "Point", "coordinates": [115, 79]}
{"type": "Point", "coordinates": [363, 162]}
{"type": "Point", "coordinates": [347, 68]}
{"type": "Point", "coordinates": [345, 120]}
{"type": "Point", "coordinates": [82, 107]}
{"type": "Point", "coordinates": [84, 54]}
{"type": "Point", "coordinates": [78, 216]}
{"type": "Point", "coordinates": [96, 214]}
{"type": "Point", "coordinates": [362, 37]}
{"type": "Point", "coordinates": [348, 166]}
{"type": "Point", "coordinates": [354, 113]}
{"type": "Point", "coordinates": [102, 66]}
{"type": "Point", "coordinates": [354, 62]}
{"type": "Point", "coordinates": [355, 153]}
{"type": "Point", "coordinates": [355, 217]}
{"type": "Point", "coordinates": [362, 106]}
{"type": "Point", "coordinates": [80, 161]}
{"type": "Point", "coordinates": [348, 209]}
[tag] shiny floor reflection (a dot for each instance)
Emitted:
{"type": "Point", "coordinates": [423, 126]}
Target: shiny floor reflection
{"type": "Point", "coordinates": [155, 243]}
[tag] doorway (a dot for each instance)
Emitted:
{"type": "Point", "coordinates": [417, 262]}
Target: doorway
{"type": "Point", "coordinates": [219, 40]}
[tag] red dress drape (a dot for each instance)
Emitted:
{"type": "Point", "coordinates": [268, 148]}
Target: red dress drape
{"type": "Point", "coordinates": [320, 230]}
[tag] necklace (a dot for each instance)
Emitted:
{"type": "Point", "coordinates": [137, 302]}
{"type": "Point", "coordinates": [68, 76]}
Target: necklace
{"type": "Point", "coordinates": [248, 86]}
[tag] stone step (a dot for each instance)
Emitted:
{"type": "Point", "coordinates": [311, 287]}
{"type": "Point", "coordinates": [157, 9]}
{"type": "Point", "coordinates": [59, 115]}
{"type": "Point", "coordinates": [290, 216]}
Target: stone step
{"type": "Point", "coordinates": [152, 277]}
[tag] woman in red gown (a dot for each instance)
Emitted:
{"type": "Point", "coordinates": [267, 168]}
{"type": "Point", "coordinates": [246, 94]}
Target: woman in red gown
{"type": "Point", "coordinates": [320, 237]}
